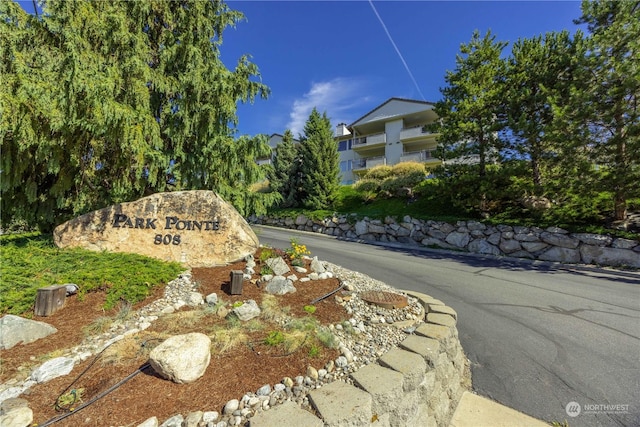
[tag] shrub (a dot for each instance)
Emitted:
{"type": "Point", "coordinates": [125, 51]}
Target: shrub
{"type": "Point", "coordinates": [379, 172]}
{"type": "Point", "coordinates": [408, 168]}
{"type": "Point", "coordinates": [367, 185]}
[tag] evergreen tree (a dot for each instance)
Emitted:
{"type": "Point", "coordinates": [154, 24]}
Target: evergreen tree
{"type": "Point", "coordinates": [320, 172]}
{"type": "Point", "coordinates": [539, 71]}
{"type": "Point", "coordinates": [469, 123]}
{"type": "Point", "coordinates": [284, 176]}
{"type": "Point", "coordinates": [108, 101]}
{"type": "Point", "coordinates": [608, 105]}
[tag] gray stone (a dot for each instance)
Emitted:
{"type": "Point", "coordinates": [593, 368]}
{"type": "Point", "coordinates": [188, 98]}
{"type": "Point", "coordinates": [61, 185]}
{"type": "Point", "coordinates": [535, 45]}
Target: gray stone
{"type": "Point", "coordinates": [279, 286]}
{"type": "Point", "coordinates": [534, 246]}
{"type": "Point", "coordinates": [182, 358]}
{"type": "Point", "coordinates": [72, 288]}
{"type": "Point", "coordinates": [149, 422]}
{"type": "Point", "coordinates": [557, 230]}
{"type": "Point", "coordinates": [475, 225]}
{"type": "Point", "coordinates": [481, 246]}
{"type": "Point", "coordinates": [458, 239]}
{"type": "Point", "coordinates": [342, 405]}
{"type": "Point", "coordinates": [361, 228]}
{"type": "Point", "coordinates": [494, 238]}
{"type": "Point", "coordinates": [212, 299]}
{"type": "Point", "coordinates": [301, 220]}
{"type": "Point", "coordinates": [609, 256]}
{"type": "Point", "coordinates": [20, 416]}
{"type": "Point", "coordinates": [286, 414]}
{"type": "Point", "coordinates": [445, 227]}
{"type": "Point", "coordinates": [411, 365]}
{"type": "Point", "coordinates": [437, 234]}
{"type": "Point", "coordinates": [194, 299]}
{"type": "Point", "coordinates": [210, 416]}
{"type": "Point", "coordinates": [199, 227]}
{"type": "Point", "coordinates": [53, 368]}
{"type": "Point", "coordinates": [509, 245]}
{"type": "Point", "coordinates": [594, 239]}
{"type": "Point", "coordinates": [264, 390]}
{"type": "Point", "coordinates": [278, 266]}
{"type": "Point", "coordinates": [248, 310]}
{"type": "Point", "coordinates": [621, 243]}
{"type": "Point", "coordinates": [526, 237]}
{"type": "Point", "coordinates": [175, 421]}
{"type": "Point", "coordinates": [557, 239]}
{"type": "Point", "coordinates": [231, 406]}
{"type": "Point", "coordinates": [17, 330]}
{"type": "Point", "coordinates": [317, 266]}
{"type": "Point", "coordinates": [560, 254]}
{"type": "Point", "coordinates": [376, 229]}
{"type": "Point", "coordinates": [192, 419]}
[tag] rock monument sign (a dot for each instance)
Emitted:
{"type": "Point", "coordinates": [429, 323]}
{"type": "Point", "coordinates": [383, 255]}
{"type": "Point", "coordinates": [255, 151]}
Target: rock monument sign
{"type": "Point", "coordinates": [195, 228]}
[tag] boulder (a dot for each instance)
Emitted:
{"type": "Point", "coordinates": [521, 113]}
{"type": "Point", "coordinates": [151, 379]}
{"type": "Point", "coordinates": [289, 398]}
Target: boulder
{"type": "Point", "coordinates": [278, 266]}
{"type": "Point", "coordinates": [15, 413]}
{"type": "Point", "coordinates": [559, 254]}
{"type": "Point", "coordinates": [53, 368]}
{"type": "Point", "coordinates": [279, 285]}
{"type": "Point", "coordinates": [197, 228]}
{"type": "Point", "coordinates": [247, 311]}
{"type": "Point", "coordinates": [317, 266]}
{"type": "Point", "coordinates": [17, 330]}
{"type": "Point", "coordinates": [509, 245]}
{"type": "Point", "coordinates": [621, 243]}
{"type": "Point", "coordinates": [609, 256]}
{"type": "Point", "coordinates": [559, 239]}
{"type": "Point", "coordinates": [361, 228]}
{"type": "Point", "coordinates": [458, 239]}
{"type": "Point", "coordinates": [594, 239]}
{"type": "Point", "coordinates": [182, 358]}
{"type": "Point", "coordinates": [481, 246]}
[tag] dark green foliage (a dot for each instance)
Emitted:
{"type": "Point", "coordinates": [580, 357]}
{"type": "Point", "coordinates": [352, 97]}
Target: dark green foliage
{"type": "Point", "coordinates": [105, 102]}
{"type": "Point", "coordinates": [320, 169]}
{"type": "Point", "coordinates": [29, 262]}
{"type": "Point", "coordinates": [469, 126]}
{"type": "Point", "coordinates": [284, 178]}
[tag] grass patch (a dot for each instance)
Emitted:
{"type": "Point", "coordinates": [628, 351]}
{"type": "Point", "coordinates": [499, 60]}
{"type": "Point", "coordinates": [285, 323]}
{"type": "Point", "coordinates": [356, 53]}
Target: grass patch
{"type": "Point", "coordinates": [31, 261]}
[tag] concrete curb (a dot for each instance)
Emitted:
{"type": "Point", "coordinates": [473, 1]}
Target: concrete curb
{"type": "Point", "coordinates": [477, 411]}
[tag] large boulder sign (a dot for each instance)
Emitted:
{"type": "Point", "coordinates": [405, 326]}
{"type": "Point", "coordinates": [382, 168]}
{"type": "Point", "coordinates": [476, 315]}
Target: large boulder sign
{"type": "Point", "coordinates": [196, 228]}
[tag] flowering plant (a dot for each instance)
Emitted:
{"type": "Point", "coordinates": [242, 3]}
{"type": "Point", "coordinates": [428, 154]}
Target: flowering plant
{"type": "Point", "coordinates": [296, 252]}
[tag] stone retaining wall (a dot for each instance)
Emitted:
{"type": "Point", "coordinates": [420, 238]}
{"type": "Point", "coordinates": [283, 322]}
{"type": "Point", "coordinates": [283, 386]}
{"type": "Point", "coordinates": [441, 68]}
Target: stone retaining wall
{"type": "Point", "coordinates": [417, 384]}
{"type": "Point", "coordinates": [551, 244]}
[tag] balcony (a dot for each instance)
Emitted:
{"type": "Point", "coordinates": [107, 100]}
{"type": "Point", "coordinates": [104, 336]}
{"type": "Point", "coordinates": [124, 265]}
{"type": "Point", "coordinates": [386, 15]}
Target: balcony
{"type": "Point", "coordinates": [424, 156]}
{"type": "Point", "coordinates": [362, 165]}
{"type": "Point", "coordinates": [414, 132]}
{"type": "Point", "coordinates": [369, 141]}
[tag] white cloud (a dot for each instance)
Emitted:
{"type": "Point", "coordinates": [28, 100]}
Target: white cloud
{"type": "Point", "coordinates": [339, 97]}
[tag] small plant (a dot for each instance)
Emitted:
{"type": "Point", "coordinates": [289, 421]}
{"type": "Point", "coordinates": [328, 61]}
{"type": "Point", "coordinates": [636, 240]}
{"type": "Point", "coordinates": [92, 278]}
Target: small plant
{"type": "Point", "coordinates": [67, 400]}
{"type": "Point", "coordinates": [314, 351]}
{"type": "Point", "coordinates": [274, 338]}
{"type": "Point", "coordinates": [310, 309]}
{"type": "Point", "coordinates": [326, 337]}
{"type": "Point", "coordinates": [98, 326]}
{"type": "Point", "coordinates": [560, 424]}
{"type": "Point", "coordinates": [237, 304]}
{"type": "Point", "coordinates": [297, 251]}
{"type": "Point", "coordinates": [265, 269]}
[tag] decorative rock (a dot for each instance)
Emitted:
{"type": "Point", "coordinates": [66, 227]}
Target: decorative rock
{"type": "Point", "coordinates": [194, 299]}
{"type": "Point", "coordinates": [247, 311]}
{"type": "Point", "coordinates": [560, 240]}
{"type": "Point", "coordinates": [16, 330]}
{"type": "Point", "coordinates": [482, 246]}
{"type": "Point", "coordinates": [193, 419]}
{"type": "Point", "coordinates": [175, 421]}
{"type": "Point", "coordinates": [222, 312]}
{"type": "Point", "coordinates": [264, 390]}
{"type": "Point", "coordinates": [182, 358]}
{"type": "Point", "coordinates": [209, 416]}
{"type": "Point", "coordinates": [20, 416]}
{"type": "Point", "coordinates": [534, 246]}
{"type": "Point", "coordinates": [510, 245]}
{"type": "Point", "coordinates": [312, 373]}
{"type": "Point", "coordinates": [317, 266]}
{"type": "Point", "coordinates": [231, 406]}
{"type": "Point", "coordinates": [149, 422]}
{"type": "Point", "coordinates": [458, 239]}
{"type": "Point", "coordinates": [288, 382]}
{"type": "Point", "coordinates": [72, 288]}
{"type": "Point", "coordinates": [560, 254]}
{"type": "Point", "coordinates": [211, 232]}
{"type": "Point", "coordinates": [279, 286]}
{"type": "Point", "coordinates": [53, 368]}
{"type": "Point", "coordinates": [609, 256]}
{"type": "Point", "coordinates": [278, 266]}
{"type": "Point", "coordinates": [299, 269]}
{"type": "Point", "coordinates": [212, 299]}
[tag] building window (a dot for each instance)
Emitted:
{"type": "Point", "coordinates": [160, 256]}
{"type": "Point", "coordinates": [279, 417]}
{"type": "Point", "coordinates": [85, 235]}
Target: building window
{"type": "Point", "coordinates": [344, 145]}
{"type": "Point", "coordinates": [346, 165]}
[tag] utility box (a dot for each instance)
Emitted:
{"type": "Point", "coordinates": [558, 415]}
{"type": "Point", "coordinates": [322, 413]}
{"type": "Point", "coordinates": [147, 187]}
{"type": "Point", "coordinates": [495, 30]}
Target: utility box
{"type": "Point", "coordinates": [236, 282]}
{"type": "Point", "coordinates": [50, 299]}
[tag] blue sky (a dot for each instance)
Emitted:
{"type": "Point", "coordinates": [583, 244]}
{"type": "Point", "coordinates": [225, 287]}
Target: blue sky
{"type": "Point", "coordinates": [338, 57]}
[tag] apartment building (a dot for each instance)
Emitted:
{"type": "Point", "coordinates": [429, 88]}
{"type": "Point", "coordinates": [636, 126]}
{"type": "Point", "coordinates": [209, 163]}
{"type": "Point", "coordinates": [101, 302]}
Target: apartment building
{"type": "Point", "coordinates": [391, 133]}
{"type": "Point", "coordinates": [274, 140]}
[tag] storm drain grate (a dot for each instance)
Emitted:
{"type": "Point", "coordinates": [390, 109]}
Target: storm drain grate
{"type": "Point", "coordinates": [384, 299]}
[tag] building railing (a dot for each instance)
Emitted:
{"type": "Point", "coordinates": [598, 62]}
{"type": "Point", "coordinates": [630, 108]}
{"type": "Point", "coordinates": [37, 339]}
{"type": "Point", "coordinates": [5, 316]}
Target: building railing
{"type": "Point", "coordinates": [418, 156]}
{"type": "Point", "coordinates": [369, 162]}
{"type": "Point", "coordinates": [414, 132]}
{"type": "Point", "coordinates": [375, 138]}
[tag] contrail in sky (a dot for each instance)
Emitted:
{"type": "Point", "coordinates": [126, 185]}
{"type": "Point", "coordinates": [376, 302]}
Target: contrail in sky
{"type": "Point", "coordinates": [397, 50]}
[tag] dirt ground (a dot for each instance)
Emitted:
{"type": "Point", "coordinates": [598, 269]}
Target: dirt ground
{"type": "Point", "coordinates": [230, 375]}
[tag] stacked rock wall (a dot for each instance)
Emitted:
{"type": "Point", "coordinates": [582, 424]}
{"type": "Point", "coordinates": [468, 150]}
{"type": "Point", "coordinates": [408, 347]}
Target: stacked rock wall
{"type": "Point", "coordinates": [550, 244]}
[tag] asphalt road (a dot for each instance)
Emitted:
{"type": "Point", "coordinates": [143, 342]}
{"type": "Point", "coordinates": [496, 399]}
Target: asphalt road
{"type": "Point", "coordinates": [539, 335]}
